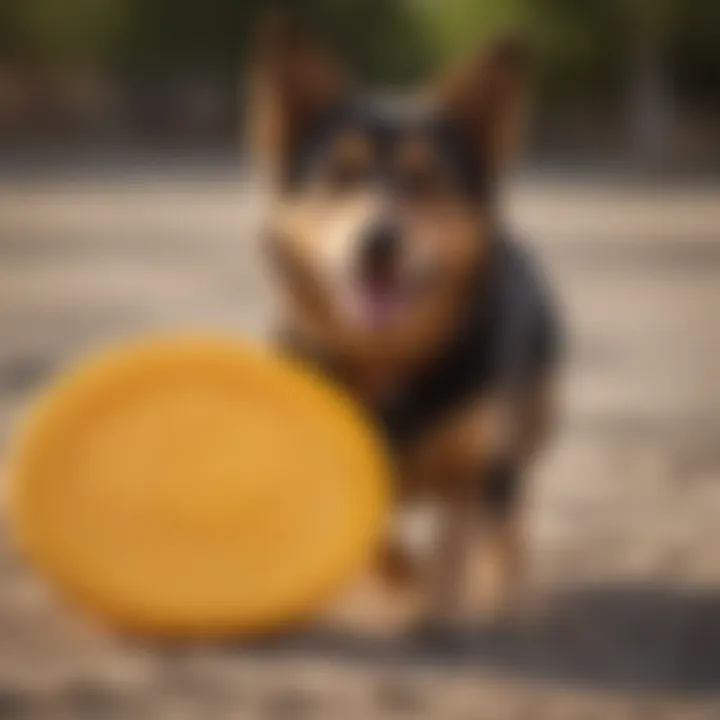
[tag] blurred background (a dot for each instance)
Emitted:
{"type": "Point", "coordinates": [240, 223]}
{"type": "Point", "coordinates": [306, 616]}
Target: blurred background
{"type": "Point", "coordinates": [126, 204]}
{"type": "Point", "coordinates": [620, 81]}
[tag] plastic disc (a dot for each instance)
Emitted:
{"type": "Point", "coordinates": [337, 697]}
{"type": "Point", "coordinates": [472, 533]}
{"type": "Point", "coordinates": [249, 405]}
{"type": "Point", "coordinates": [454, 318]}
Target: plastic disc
{"type": "Point", "coordinates": [197, 486]}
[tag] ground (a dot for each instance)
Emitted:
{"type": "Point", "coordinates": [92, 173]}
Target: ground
{"type": "Point", "coordinates": [625, 507]}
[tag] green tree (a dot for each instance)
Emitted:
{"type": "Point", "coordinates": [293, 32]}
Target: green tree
{"type": "Point", "coordinates": [67, 29]}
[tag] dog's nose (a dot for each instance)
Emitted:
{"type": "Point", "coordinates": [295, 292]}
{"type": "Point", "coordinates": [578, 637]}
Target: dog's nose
{"type": "Point", "coordinates": [380, 248]}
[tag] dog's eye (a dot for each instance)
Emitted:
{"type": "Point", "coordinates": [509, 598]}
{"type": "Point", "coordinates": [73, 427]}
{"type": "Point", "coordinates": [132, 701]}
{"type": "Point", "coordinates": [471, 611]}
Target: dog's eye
{"type": "Point", "coordinates": [345, 177]}
{"type": "Point", "coordinates": [420, 184]}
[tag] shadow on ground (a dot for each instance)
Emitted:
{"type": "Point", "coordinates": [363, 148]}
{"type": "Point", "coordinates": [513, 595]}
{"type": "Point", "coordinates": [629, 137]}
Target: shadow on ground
{"type": "Point", "coordinates": [635, 637]}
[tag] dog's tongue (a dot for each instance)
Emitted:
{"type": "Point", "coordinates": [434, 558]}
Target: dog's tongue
{"type": "Point", "coordinates": [379, 303]}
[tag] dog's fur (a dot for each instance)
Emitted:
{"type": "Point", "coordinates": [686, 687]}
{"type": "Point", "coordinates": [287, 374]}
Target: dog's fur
{"type": "Point", "coordinates": [385, 239]}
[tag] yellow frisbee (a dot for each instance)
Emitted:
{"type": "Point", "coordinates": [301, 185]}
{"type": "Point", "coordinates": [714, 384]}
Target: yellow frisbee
{"type": "Point", "coordinates": [197, 486]}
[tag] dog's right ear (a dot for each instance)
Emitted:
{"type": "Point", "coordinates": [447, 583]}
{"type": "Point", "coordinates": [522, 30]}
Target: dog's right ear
{"type": "Point", "coordinates": [293, 81]}
{"type": "Point", "coordinates": [485, 99]}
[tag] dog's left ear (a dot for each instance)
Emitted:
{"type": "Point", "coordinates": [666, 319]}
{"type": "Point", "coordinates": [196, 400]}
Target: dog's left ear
{"type": "Point", "coordinates": [294, 80]}
{"type": "Point", "coordinates": [485, 99]}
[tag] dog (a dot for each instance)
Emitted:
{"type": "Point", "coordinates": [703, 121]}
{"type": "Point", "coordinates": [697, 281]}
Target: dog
{"type": "Point", "coordinates": [397, 279]}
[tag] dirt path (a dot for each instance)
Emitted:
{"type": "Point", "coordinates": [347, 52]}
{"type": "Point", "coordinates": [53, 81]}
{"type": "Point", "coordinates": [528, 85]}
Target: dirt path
{"type": "Point", "coordinates": [627, 503]}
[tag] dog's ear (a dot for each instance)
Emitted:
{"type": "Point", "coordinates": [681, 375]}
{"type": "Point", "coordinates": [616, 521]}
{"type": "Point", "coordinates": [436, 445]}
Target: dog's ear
{"type": "Point", "coordinates": [486, 97]}
{"type": "Point", "coordinates": [294, 80]}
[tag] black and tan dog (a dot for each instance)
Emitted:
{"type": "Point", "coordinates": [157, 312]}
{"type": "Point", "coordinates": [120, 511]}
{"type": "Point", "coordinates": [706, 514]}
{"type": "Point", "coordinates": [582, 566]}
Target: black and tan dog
{"type": "Point", "coordinates": [397, 279]}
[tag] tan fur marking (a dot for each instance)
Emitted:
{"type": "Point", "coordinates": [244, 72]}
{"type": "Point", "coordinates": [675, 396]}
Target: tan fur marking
{"type": "Point", "coordinates": [416, 153]}
{"type": "Point", "coordinates": [495, 557]}
{"type": "Point", "coordinates": [470, 438]}
{"type": "Point", "coordinates": [352, 147]}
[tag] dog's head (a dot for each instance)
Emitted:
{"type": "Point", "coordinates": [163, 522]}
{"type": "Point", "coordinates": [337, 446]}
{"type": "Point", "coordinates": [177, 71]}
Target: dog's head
{"type": "Point", "coordinates": [381, 210]}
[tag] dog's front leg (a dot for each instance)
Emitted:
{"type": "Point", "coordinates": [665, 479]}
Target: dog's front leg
{"type": "Point", "coordinates": [499, 544]}
{"type": "Point", "coordinates": [478, 552]}
{"type": "Point", "coordinates": [477, 566]}
{"type": "Point", "coordinates": [450, 562]}
{"type": "Point", "coordinates": [446, 465]}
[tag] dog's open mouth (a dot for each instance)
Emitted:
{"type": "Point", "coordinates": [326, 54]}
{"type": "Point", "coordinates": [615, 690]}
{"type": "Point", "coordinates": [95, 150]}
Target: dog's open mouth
{"type": "Point", "coordinates": [380, 302]}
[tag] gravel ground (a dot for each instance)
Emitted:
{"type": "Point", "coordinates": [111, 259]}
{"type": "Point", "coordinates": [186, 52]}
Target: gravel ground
{"type": "Point", "coordinates": [626, 504]}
